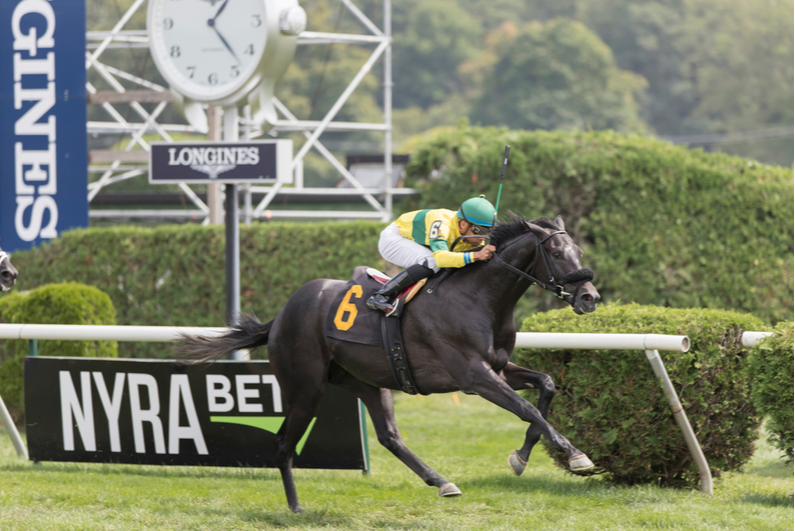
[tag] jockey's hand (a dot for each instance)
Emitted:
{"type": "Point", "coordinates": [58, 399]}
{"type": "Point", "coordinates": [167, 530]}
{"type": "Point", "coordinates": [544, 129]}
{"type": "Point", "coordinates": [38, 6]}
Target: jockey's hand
{"type": "Point", "coordinates": [484, 254]}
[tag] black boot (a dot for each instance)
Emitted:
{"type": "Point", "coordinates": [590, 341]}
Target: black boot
{"type": "Point", "coordinates": [381, 299]}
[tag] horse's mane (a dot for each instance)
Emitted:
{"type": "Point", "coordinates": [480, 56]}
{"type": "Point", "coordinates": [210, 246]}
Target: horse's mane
{"type": "Point", "coordinates": [504, 232]}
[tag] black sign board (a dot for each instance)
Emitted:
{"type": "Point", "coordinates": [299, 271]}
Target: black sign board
{"type": "Point", "coordinates": [157, 413]}
{"type": "Point", "coordinates": [255, 162]}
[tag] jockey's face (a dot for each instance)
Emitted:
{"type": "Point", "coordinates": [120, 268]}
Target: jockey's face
{"type": "Point", "coordinates": [468, 229]}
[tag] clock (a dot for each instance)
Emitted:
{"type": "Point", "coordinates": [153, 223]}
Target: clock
{"type": "Point", "coordinates": [223, 52]}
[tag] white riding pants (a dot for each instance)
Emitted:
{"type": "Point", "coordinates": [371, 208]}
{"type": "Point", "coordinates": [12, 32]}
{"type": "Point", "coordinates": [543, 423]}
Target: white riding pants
{"type": "Point", "coordinates": [402, 251]}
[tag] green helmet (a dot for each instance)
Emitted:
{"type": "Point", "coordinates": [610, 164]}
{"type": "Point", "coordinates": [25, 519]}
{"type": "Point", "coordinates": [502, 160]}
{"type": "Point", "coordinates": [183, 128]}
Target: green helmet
{"type": "Point", "coordinates": [477, 211]}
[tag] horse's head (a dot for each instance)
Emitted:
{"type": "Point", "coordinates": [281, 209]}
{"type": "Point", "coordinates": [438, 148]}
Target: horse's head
{"type": "Point", "coordinates": [8, 273]}
{"type": "Point", "coordinates": [556, 263]}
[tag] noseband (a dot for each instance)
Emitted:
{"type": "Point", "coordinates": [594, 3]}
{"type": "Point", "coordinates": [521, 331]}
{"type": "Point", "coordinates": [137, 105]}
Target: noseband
{"type": "Point", "coordinates": [4, 256]}
{"type": "Point", "coordinates": [580, 277]}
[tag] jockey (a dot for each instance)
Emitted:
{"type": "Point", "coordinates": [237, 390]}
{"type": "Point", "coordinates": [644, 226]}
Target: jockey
{"type": "Point", "coordinates": [422, 242]}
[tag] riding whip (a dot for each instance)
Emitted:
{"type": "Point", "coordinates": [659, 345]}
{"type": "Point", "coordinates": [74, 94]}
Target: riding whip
{"type": "Point", "coordinates": [502, 176]}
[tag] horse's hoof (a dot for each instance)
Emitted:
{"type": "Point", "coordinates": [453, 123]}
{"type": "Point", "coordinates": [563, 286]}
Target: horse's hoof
{"type": "Point", "coordinates": [580, 463]}
{"type": "Point", "coordinates": [516, 463]}
{"type": "Point", "coordinates": [448, 490]}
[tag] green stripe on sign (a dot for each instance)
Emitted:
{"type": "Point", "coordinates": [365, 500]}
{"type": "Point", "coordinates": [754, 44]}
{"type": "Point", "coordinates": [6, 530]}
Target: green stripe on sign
{"type": "Point", "coordinates": [270, 424]}
{"type": "Point", "coordinates": [418, 227]}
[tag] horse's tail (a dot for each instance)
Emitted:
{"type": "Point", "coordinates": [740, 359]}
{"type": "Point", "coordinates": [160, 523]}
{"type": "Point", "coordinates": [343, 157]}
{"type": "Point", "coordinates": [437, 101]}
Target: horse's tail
{"type": "Point", "coordinates": [247, 334]}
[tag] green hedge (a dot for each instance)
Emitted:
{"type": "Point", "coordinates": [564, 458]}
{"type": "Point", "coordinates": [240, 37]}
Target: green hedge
{"type": "Point", "coordinates": [611, 405]}
{"type": "Point", "coordinates": [660, 224]}
{"type": "Point", "coordinates": [69, 303]}
{"type": "Point", "coordinates": [770, 368]}
{"type": "Point", "coordinates": [174, 275]}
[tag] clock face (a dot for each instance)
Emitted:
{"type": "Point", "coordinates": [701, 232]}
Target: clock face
{"type": "Point", "coordinates": [207, 49]}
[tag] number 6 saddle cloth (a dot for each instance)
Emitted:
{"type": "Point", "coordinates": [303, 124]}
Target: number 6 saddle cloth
{"type": "Point", "coordinates": [350, 319]}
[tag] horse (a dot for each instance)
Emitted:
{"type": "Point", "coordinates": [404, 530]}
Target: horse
{"type": "Point", "coordinates": [458, 338]}
{"type": "Point", "coordinates": [8, 273]}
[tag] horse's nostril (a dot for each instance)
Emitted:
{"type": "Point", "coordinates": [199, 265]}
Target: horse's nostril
{"type": "Point", "coordinates": [587, 297]}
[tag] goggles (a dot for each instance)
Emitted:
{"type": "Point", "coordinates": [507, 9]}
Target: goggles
{"type": "Point", "coordinates": [479, 230]}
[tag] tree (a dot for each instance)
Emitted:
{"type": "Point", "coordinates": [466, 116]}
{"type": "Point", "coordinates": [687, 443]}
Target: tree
{"type": "Point", "coordinates": [555, 75]}
{"type": "Point", "coordinates": [432, 38]}
{"type": "Point", "coordinates": [713, 66]}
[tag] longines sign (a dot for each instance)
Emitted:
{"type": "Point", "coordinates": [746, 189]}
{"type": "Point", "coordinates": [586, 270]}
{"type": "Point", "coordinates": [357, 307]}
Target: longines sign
{"type": "Point", "coordinates": [256, 161]}
{"type": "Point", "coordinates": [155, 412]}
{"type": "Point", "coordinates": [43, 155]}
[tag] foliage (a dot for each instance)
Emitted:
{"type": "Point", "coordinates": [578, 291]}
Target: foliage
{"type": "Point", "coordinates": [67, 303]}
{"type": "Point", "coordinates": [770, 368]}
{"type": "Point", "coordinates": [432, 38]}
{"type": "Point", "coordinates": [713, 66]}
{"type": "Point", "coordinates": [557, 75]}
{"type": "Point", "coordinates": [175, 275]}
{"type": "Point", "coordinates": [659, 224]}
{"type": "Point", "coordinates": [610, 404]}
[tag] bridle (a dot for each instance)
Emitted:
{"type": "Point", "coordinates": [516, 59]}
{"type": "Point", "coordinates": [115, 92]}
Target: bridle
{"type": "Point", "coordinates": [579, 277]}
{"type": "Point", "coordinates": [4, 256]}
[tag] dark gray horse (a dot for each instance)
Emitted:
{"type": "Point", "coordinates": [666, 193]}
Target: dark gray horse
{"type": "Point", "coordinates": [459, 337]}
{"type": "Point", "coordinates": [8, 273]}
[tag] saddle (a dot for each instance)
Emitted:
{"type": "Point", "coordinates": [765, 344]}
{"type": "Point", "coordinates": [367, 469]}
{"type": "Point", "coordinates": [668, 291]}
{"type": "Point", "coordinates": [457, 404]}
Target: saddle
{"type": "Point", "coordinates": [350, 319]}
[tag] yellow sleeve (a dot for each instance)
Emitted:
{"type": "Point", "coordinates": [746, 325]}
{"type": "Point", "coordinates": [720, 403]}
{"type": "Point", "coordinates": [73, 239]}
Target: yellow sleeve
{"type": "Point", "coordinates": [451, 259]}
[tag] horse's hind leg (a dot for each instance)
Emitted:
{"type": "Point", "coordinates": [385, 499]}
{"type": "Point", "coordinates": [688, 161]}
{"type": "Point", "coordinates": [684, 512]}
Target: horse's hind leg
{"type": "Point", "coordinates": [519, 378]}
{"type": "Point", "coordinates": [382, 412]}
{"type": "Point", "coordinates": [300, 412]}
{"type": "Point", "coordinates": [302, 378]}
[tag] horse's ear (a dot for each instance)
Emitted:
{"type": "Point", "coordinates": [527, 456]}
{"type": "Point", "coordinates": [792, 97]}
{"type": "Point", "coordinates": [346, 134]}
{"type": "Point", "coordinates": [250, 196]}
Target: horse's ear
{"type": "Point", "coordinates": [537, 229]}
{"type": "Point", "coordinates": [559, 223]}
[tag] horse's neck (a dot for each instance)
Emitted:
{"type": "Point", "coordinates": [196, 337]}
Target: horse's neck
{"type": "Point", "coordinates": [499, 288]}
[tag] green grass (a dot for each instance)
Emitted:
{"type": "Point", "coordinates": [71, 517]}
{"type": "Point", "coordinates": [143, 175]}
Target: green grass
{"type": "Point", "coordinates": [468, 443]}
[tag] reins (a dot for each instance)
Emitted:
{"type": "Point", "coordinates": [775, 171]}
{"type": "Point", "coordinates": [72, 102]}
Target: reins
{"type": "Point", "coordinates": [581, 276]}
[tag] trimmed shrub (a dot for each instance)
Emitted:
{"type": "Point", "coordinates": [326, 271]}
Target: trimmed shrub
{"type": "Point", "coordinates": [610, 404]}
{"type": "Point", "coordinates": [660, 224]}
{"type": "Point", "coordinates": [69, 303]}
{"type": "Point", "coordinates": [770, 368]}
{"type": "Point", "coordinates": [174, 275]}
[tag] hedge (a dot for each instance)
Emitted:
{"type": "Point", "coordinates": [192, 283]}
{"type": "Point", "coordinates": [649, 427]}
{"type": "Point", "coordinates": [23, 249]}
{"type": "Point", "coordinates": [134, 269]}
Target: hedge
{"type": "Point", "coordinates": [174, 275]}
{"type": "Point", "coordinates": [611, 406]}
{"type": "Point", "coordinates": [770, 368]}
{"type": "Point", "coordinates": [68, 303]}
{"type": "Point", "coordinates": [660, 224]}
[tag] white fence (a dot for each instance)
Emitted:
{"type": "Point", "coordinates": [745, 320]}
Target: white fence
{"type": "Point", "coordinates": [649, 343]}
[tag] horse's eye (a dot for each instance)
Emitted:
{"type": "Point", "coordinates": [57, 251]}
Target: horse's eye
{"type": "Point", "coordinates": [557, 255]}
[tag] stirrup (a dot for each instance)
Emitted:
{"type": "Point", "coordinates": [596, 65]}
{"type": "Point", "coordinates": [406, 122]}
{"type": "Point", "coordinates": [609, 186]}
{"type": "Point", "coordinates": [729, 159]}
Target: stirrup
{"type": "Point", "coordinates": [396, 308]}
{"type": "Point", "coordinates": [382, 303]}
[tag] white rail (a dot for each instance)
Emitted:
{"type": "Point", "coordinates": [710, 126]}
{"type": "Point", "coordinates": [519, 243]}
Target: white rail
{"type": "Point", "coordinates": [751, 338]}
{"type": "Point", "coordinates": [603, 341]}
{"type": "Point", "coordinates": [103, 332]}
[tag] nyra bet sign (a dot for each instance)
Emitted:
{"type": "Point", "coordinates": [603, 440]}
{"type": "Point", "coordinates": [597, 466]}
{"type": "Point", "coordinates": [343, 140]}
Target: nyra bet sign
{"type": "Point", "coordinates": [156, 412]}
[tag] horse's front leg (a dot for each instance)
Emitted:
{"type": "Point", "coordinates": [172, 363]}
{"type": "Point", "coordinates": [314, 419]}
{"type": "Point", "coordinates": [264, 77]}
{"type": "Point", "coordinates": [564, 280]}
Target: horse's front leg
{"type": "Point", "coordinates": [519, 378]}
{"type": "Point", "coordinates": [382, 413]}
{"type": "Point", "coordinates": [479, 378]}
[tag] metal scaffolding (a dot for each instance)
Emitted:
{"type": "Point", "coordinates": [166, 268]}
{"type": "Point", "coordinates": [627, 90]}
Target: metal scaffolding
{"type": "Point", "coordinates": [118, 165]}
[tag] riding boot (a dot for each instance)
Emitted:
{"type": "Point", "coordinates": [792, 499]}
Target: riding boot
{"type": "Point", "coordinates": [381, 299]}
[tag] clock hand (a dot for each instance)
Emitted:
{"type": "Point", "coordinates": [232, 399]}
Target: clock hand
{"type": "Point", "coordinates": [211, 23]}
{"type": "Point", "coordinates": [225, 43]}
{"type": "Point", "coordinates": [220, 9]}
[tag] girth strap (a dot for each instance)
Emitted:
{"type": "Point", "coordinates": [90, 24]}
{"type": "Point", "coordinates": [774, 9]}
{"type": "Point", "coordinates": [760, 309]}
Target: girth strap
{"type": "Point", "coordinates": [396, 356]}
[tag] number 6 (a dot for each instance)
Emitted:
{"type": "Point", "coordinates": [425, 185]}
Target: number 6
{"type": "Point", "coordinates": [347, 306]}
{"type": "Point", "coordinates": [434, 233]}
